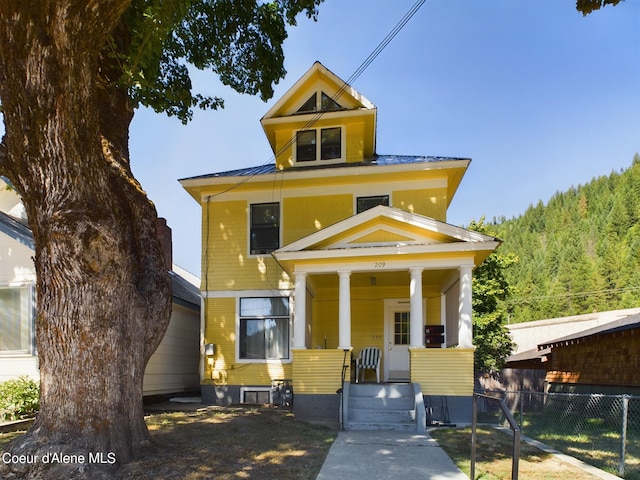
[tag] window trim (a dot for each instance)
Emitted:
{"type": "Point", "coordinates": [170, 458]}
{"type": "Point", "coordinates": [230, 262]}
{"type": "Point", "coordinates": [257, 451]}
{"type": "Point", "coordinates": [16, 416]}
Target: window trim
{"type": "Point", "coordinates": [318, 161]}
{"type": "Point", "coordinates": [263, 361]}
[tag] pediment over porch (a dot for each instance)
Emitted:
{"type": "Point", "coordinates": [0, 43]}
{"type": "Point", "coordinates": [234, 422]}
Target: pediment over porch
{"type": "Point", "coordinates": [387, 233]}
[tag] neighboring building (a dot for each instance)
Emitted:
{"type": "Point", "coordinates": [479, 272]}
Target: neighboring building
{"type": "Point", "coordinates": [532, 364]}
{"type": "Point", "coordinates": [17, 289]}
{"type": "Point", "coordinates": [173, 367]}
{"type": "Point", "coordinates": [603, 359]}
{"type": "Point", "coordinates": [332, 248]}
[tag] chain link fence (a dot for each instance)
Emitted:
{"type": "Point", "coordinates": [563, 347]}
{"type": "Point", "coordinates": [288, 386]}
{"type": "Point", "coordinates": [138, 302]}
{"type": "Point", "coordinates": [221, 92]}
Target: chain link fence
{"type": "Point", "coordinates": [601, 430]}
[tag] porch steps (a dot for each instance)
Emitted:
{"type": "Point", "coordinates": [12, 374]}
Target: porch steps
{"type": "Point", "coordinates": [381, 407]}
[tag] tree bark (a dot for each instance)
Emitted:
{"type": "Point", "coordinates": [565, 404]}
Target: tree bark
{"type": "Point", "coordinates": [103, 292]}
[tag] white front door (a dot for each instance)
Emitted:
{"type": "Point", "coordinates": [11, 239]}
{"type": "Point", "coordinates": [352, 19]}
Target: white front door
{"type": "Point", "coordinates": [397, 337]}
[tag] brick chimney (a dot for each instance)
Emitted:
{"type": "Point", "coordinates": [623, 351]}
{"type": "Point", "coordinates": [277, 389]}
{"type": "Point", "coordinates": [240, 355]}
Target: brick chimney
{"type": "Point", "coordinates": [164, 237]}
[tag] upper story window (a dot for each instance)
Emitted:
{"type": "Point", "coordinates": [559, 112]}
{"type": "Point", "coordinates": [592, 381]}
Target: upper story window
{"type": "Point", "coordinates": [365, 203]}
{"type": "Point", "coordinates": [319, 103]}
{"type": "Point", "coordinates": [319, 144]}
{"type": "Point", "coordinates": [265, 228]}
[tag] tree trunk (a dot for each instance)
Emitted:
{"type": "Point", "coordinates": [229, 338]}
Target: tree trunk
{"type": "Point", "coordinates": [103, 292]}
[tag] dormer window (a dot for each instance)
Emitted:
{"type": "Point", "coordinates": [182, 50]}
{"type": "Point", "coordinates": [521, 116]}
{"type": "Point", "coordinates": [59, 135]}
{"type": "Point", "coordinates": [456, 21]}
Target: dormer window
{"type": "Point", "coordinates": [322, 104]}
{"type": "Point", "coordinates": [319, 144]}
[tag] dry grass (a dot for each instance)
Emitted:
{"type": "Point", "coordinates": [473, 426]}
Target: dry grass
{"type": "Point", "coordinates": [493, 456]}
{"type": "Point", "coordinates": [228, 443]}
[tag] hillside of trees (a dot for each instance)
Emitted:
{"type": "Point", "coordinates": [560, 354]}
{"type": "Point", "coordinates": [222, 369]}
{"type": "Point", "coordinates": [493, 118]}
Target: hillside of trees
{"type": "Point", "coordinates": [578, 253]}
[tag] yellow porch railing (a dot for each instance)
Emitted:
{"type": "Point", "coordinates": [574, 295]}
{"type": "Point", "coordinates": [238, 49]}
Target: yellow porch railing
{"type": "Point", "coordinates": [319, 371]}
{"type": "Point", "coordinates": [443, 371]}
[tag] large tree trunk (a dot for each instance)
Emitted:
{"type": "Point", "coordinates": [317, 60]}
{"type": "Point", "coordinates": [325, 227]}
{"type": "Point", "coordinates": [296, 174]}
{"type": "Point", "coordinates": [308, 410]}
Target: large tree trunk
{"type": "Point", "coordinates": [103, 292]}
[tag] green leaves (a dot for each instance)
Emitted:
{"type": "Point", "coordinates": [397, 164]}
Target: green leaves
{"type": "Point", "coordinates": [490, 291]}
{"type": "Point", "coordinates": [238, 40]}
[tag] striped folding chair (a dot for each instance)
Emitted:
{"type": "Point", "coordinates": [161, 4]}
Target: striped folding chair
{"type": "Point", "coordinates": [369, 359]}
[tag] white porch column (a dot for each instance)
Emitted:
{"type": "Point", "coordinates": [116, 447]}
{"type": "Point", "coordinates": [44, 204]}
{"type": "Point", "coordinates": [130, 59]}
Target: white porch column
{"type": "Point", "coordinates": [300, 311]}
{"type": "Point", "coordinates": [344, 311]}
{"type": "Point", "coordinates": [465, 326]}
{"type": "Point", "coordinates": [416, 337]}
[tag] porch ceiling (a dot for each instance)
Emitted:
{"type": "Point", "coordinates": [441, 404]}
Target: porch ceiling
{"type": "Point", "coordinates": [431, 278]}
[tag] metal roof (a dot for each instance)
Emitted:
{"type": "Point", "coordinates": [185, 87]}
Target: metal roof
{"type": "Point", "coordinates": [184, 293]}
{"type": "Point", "coordinates": [16, 229]}
{"type": "Point", "coordinates": [627, 323]}
{"type": "Point", "coordinates": [377, 160]}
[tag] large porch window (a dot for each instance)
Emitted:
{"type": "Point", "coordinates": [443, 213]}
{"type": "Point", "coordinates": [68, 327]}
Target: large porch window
{"type": "Point", "coordinates": [264, 328]}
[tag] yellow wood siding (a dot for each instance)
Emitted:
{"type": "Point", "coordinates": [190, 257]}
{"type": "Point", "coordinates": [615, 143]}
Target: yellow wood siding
{"type": "Point", "coordinates": [430, 203]}
{"type": "Point", "coordinates": [318, 371]}
{"type": "Point", "coordinates": [443, 371]}
{"type": "Point", "coordinates": [303, 216]}
{"type": "Point", "coordinates": [227, 264]}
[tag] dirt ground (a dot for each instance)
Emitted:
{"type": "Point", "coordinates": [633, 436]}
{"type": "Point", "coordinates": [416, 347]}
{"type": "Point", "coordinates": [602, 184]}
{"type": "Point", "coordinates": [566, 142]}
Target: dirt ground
{"type": "Point", "coordinates": [228, 443]}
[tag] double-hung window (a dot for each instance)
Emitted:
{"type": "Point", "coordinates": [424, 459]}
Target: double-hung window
{"type": "Point", "coordinates": [265, 228]}
{"type": "Point", "coordinates": [264, 328]}
{"type": "Point", "coordinates": [319, 144]}
{"type": "Point", "coordinates": [16, 320]}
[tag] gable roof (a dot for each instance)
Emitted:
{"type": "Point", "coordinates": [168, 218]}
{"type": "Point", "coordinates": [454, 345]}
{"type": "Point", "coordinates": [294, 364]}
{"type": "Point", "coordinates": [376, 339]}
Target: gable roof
{"type": "Point", "coordinates": [337, 89]}
{"type": "Point", "coordinates": [384, 231]}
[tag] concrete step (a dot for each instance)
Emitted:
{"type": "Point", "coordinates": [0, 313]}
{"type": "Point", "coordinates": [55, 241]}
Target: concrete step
{"type": "Point", "coordinates": [387, 390]}
{"type": "Point", "coordinates": [381, 416]}
{"type": "Point", "coordinates": [381, 403]}
{"type": "Point", "coordinates": [397, 427]}
{"type": "Point", "coordinates": [381, 407]}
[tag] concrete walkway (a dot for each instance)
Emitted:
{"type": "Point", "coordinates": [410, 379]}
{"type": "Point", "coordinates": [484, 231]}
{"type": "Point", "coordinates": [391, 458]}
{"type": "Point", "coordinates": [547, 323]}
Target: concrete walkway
{"type": "Point", "coordinates": [381, 455]}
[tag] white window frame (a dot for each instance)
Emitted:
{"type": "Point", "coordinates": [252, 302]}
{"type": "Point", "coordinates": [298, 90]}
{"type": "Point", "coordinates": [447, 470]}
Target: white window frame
{"type": "Point", "coordinates": [317, 161]}
{"type": "Point", "coordinates": [263, 294]}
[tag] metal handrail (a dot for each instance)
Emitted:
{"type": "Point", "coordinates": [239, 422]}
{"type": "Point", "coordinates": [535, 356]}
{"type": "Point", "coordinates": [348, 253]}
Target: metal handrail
{"type": "Point", "coordinates": [514, 427]}
{"type": "Point", "coordinates": [341, 389]}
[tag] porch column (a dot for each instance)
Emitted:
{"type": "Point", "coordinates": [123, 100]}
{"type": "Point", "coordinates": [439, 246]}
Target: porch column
{"type": "Point", "coordinates": [300, 311]}
{"type": "Point", "coordinates": [416, 338]}
{"type": "Point", "coordinates": [344, 311]}
{"type": "Point", "coordinates": [465, 326]}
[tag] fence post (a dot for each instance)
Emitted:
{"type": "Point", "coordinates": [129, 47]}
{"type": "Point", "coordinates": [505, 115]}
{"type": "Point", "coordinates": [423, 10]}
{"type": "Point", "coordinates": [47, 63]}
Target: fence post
{"type": "Point", "coordinates": [474, 421]}
{"type": "Point", "coordinates": [623, 435]}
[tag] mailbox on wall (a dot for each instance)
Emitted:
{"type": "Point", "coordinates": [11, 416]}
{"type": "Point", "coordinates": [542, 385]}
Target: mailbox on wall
{"type": "Point", "coordinates": [434, 336]}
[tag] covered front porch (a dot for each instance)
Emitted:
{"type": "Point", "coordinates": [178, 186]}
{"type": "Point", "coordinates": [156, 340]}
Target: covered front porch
{"type": "Point", "coordinates": [377, 280]}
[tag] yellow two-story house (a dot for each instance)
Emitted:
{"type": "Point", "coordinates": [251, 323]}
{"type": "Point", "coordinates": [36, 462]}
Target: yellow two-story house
{"type": "Point", "coordinates": [330, 249]}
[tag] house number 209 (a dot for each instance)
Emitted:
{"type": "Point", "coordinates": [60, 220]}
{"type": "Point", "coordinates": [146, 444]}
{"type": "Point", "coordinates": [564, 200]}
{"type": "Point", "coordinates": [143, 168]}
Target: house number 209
{"type": "Point", "coordinates": [379, 264]}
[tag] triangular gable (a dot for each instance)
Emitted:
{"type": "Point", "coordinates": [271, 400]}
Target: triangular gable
{"type": "Point", "coordinates": [330, 90]}
{"type": "Point", "coordinates": [384, 226]}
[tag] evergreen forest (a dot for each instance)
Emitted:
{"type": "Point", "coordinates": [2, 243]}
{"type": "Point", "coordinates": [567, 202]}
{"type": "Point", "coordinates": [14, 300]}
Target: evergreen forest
{"type": "Point", "coordinates": [577, 254]}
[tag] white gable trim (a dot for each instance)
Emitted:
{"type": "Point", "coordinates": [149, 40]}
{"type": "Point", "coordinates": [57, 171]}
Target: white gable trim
{"type": "Point", "coordinates": [413, 219]}
{"type": "Point", "coordinates": [317, 66]}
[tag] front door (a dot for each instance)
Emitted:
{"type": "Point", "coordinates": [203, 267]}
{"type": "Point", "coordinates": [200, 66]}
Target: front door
{"type": "Point", "coordinates": [397, 339]}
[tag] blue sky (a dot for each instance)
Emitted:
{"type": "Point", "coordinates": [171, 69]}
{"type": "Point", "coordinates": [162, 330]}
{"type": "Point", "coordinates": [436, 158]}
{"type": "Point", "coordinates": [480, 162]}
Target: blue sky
{"type": "Point", "coordinates": [538, 96]}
